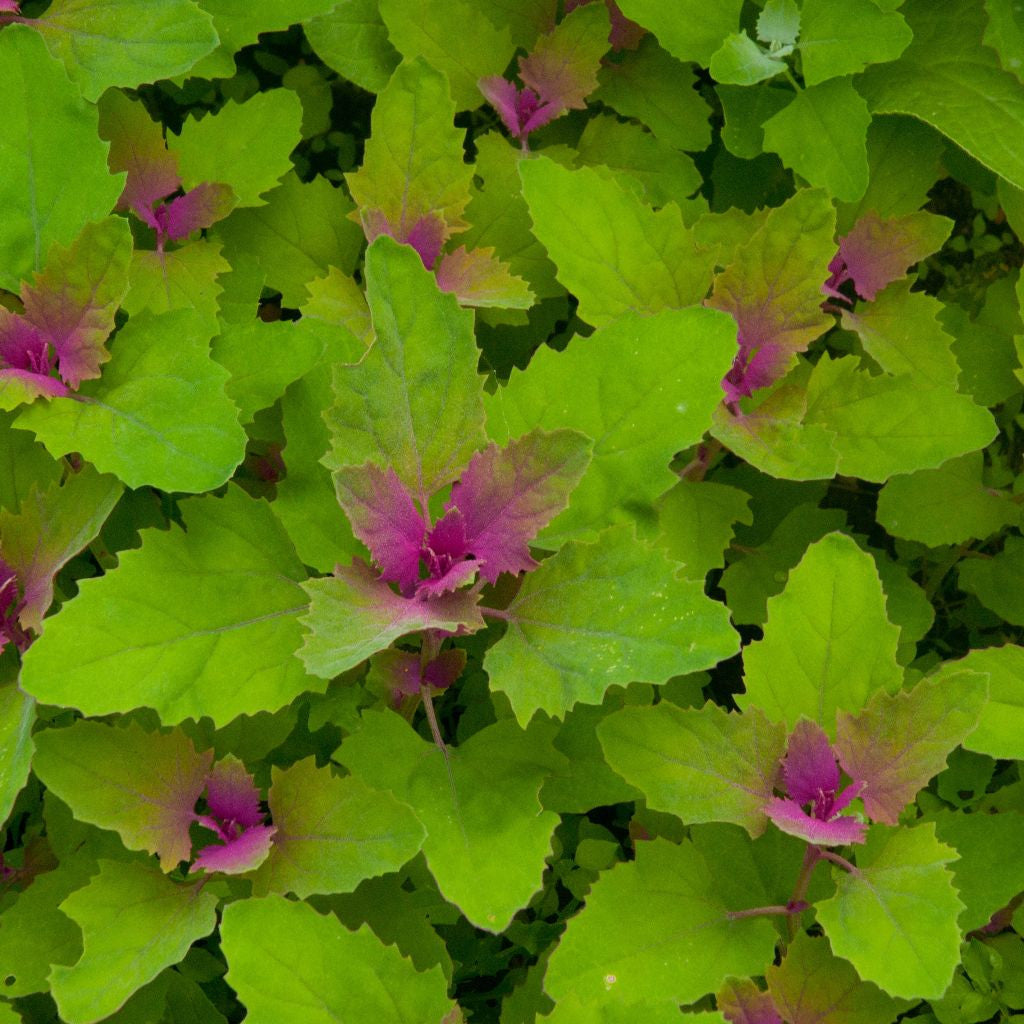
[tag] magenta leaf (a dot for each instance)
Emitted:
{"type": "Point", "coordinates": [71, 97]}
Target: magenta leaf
{"type": "Point", "coordinates": [9, 7]}
{"type": "Point", "coordinates": [811, 776]}
{"type": "Point", "coordinates": [426, 234]}
{"type": "Point", "coordinates": [399, 674]}
{"type": "Point", "coordinates": [625, 34]}
{"type": "Point", "coordinates": [231, 794]}
{"type": "Point", "coordinates": [791, 818]}
{"type": "Point", "coordinates": [385, 518]}
{"type": "Point", "coordinates": [235, 818]}
{"type": "Point", "coordinates": [559, 74]}
{"type": "Point", "coordinates": [10, 605]}
{"type": "Point", "coordinates": [27, 362]}
{"type": "Point", "coordinates": [877, 252]}
{"type": "Point", "coordinates": [73, 301]}
{"type": "Point", "coordinates": [202, 206]}
{"type": "Point", "coordinates": [508, 495]}
{"type": "Point", "coordinates": [245, 852]}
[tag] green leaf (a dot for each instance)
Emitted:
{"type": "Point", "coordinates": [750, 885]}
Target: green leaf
{"type": "Point", "coordinates": [643, 920]}
{"type": "Point", "coordinates": [632, 390]}
{"type": "Point", "coordinates": [498, 216]}
{"type": "Point", "coordinates": [761, 573]}
{"type": "Point", "coordinates": [770, 432]}
{"type": "Point", "coordinates": [264, 358]}
{"type": "Point", "coordinates": [301, 232]}
{"type": "Point", "coordinates": [697, 520]}
{"type": "Point", "coordinates": [486, 834]}
{"type": "Point", "coordinates": [135, 922]}
{"type": "Point", "coordinates": [1005, 34]}
{"type": "Point", "coordinates": [45, 119]}
{"type": "Point", "coordinates": [34, 933]}
{"type": "Point", "coordinates": [129, 421]}
{"type": "Point", "coordinates": [740, 61]}
{"type": "Point", "coordinates": [887, 425]}
{"type": "Point", "coordinates": [17, 717]}
{"type": "Point", "coordinates": [585, 781]}
{"type": "Point", "coordinates": [701, 765]}
{"type": "Point", "coordinates": [306, 502]}
{"type": "Point", "coordinates": [822, 136]}
{"type": "Point", "coordinates": [291, 965]}
{"type": "Point", "coordinates": [183, 279]}
{"type": "Point", "coordinates": [903, 164]}
{"type": "Point", "coordinates": [246, 145]}
{"type": "Point", "coordinates": [353, 40]}
{"type": "Point", "coordinates": [588, 618]}
{"type": "Point", "coordinates": [746, 111]}
{"type": "Point", "coordinates": [144, 785]}
{"type": "Point", "coordinates": [813, 985]}
{"type": "Point", "coordinates": [652, 86]}
{"type": "Point", "coordinates": [50, 528]}
{"type": "Point", "coordinates": [664, 174]}
{"type": "Point", "coordinates": [1000, 731]}
{"type": "Point", "coordinates": [828, 645]}
{"type": "Point", "coordinates": [332, 833]}
{"type": "Point", "coordinates": [454, 36]}
{"type": "Point", "coordinates": [996, 581]}
{"type": "Point", "coordinates": [413, 166]}
{"type": "Point", "coordinates": [688, 29]}
{"type": "Point", "coordinates": [354, 614]}
{"type": "Point", "coordinates": [239, 23]}
{"type": "Point", "coordinates": [989, 874]}
{"type": "Point", "coordinates": [842, 42]}
{"type": "Point", "coordinates": [415, 401]}
{"type": "Point", "coordinates": [947, 78]}
{"type": "Point", "coordinates": [779, 23]}
{"type": "Point", "coordinates": [128, 44]}
{"type": "Point", "coordinates": [895, 919]}
{"type": "Point", "coordinates": [24, 464]}
{"type": "Point", "coordinates": [900, 741]}
{"type": "Point", "coordinates": [900, 330]}
{"type": "Point", "coordinates": [948, 505]}
{"type": "Point", "coordinates": [613, 252]}
{"type": "Point", "coordinates": [400, 917]}
{"type": "Point", "coordinates": [179, 617]}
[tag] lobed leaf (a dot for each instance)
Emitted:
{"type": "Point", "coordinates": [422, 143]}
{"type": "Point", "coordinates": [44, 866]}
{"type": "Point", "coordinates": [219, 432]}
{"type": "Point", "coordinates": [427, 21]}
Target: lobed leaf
{"type": "Point", "coordinates": [587, 619]}
{"type": "Point", "coordinates": [486, 834]}
{"type": "Point", "coordinates": [828, 645]}
{"type": "Point", "coordinates": [144, 785]}
{"type": "Point", "coordinates": [180, 616]}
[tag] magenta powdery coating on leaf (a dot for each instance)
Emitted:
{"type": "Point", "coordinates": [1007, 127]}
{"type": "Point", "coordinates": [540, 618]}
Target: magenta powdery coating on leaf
{"type": "Point", "coordinates": [10, 605]}
{"type": "Point", "coordinates": [756, 366]}
{"type": "Point", "coordinates": [26, 355]}
{"type": "Point", "coordinates": [235, 817]}
{"type": "Point", "coordinates": [426, 235]}
{"type": "Point", "coordinates": [9, 7]}
{"type": "Point", "coordinates": [520, 110]}
{"type": "Point", "coordinates": [200, 208]}
{"type": "Point", "coordinates": [811, 776]}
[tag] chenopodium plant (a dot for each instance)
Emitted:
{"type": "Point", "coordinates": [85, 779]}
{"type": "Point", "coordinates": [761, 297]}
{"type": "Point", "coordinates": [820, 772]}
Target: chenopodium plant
{"type": "Point", "coordinates": [763, 793]}
{"type": "Point", "coordinates": [408, 437]}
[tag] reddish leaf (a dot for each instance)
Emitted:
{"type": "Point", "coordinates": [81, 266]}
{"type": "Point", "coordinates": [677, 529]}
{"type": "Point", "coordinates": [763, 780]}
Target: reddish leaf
{"type": "Point", "coordinates": [478, 279]}
{"type": "Point", "coordinates": [385, 518]}
{"type": "Point", "coordinates": [137, 146]}
{"type": "Point", "coordinates": [877, 252]}
{"type": "Point", "coordinates": [898, 742]}
{"type": "Point", "coordinates": [243, 853]}
{"type": "Point", "coordinates": [792, 819]}
{"type": "Point", "coordinates": [73, 301]}
{"type": "Point", "coordinates": [507, 495]}
{"type": "Point", "coordinates": [742, 1002]}
{"type": "Point", "coordinates": [231, 794]}
{"type": "Point", "coordinates": [773, 290]}
{"type": "Point", "coordinates": [426, 234]}
{"type": "Point", "coordinates": [27, 362]}
{"type": "Point", "coordinates": [520, 110]}
{"type": "Point", "coordinates": [202, 206]}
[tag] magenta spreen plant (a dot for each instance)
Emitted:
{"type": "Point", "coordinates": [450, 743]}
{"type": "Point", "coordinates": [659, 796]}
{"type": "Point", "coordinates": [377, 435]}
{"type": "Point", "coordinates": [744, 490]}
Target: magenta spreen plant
{"type": "Point", "coordinates": [645, 438]}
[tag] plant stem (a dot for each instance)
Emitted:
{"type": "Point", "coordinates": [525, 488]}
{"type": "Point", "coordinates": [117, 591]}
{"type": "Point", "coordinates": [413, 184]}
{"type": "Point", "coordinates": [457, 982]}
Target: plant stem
{"type": "Point", "coordinates": [841, 861]}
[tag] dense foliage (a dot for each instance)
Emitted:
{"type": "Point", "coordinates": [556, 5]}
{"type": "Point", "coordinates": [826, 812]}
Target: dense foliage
{"type": "Point", "coordinates": [511, 512]}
